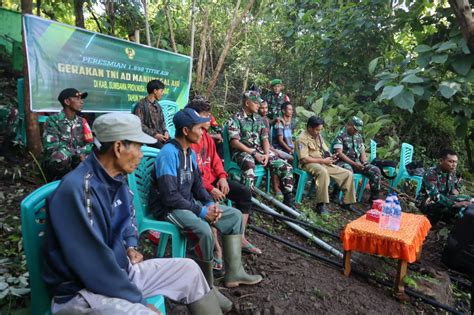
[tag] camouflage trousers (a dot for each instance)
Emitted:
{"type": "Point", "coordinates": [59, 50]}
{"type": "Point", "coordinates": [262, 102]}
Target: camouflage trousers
{"type": "Point", "coordinates": [59, 163]}
{"type": "Point", "coordinates": [372, 172]}
{"type": "Point", "coordinates": [277, 166]}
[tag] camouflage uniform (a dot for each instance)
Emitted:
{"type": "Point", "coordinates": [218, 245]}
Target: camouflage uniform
{"type": "Point", "coordinates": [152, 117]}
{"type": "Point", "coordinates": [352, 147]}
{"type": "Point", "coordinates": [8, 122]}
{"type": "Point", "coordinates": [274, 104]}
{"type": "Point", "coordinates": [250, 131]}
{"type": "Point", "coordinates": [64, 144]}
{"type": "Point", "coordinates": [437, 195]}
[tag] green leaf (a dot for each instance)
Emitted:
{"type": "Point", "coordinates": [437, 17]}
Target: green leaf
{"type": "Point", "coordinates": [405, 100]}
{"type": "Point", "coordinates": [412, 78]}
{"type": "Point", "coordinates": [423, 60]}
{"type": "Point", "coordinates": [462, 64]}
{"type": "Point", "coordinates": [439, 58]}
{"type": "Point", "coordinates": [448, 89]}
{"type": "Point", "coordinates": [373, 65]}
{"type": "Point", "coordinates": [318, 106]}
{"type": "Point", "coordinates": [422, 48]}
{"type": "Point", "coordinates": [303, 112]}
{"type": "Point", "coordinates": [417, 90]}
{"type": "Point", "coordinates": [464, 47]}
{"type": "Point", "coordinates": [380, 84]}
{"type": "Point", "coordinates": [447, 46]}
{"type": "Point", "coordinates": [390, 92]}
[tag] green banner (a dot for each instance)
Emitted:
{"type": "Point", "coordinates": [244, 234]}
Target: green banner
{"type": "Point", "coordinates": [113, 71]}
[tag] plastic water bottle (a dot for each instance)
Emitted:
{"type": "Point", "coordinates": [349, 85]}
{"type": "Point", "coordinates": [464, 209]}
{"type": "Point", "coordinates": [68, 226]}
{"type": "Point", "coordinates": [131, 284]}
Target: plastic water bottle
{"type": "Point", "coordinates": [386, 213]}
{"type": "Point", "coordinates": [396, 217]}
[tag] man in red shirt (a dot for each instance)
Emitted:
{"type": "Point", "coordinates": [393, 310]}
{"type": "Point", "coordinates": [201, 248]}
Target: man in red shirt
{"type": "Point", "coordinates": [214, 176]}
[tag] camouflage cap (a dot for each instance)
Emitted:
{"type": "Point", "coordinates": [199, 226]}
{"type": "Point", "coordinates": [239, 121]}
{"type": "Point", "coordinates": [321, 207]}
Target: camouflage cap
{"type": "Point", "coordinates": [253, 96]}
{"type": "Point", "coordinates": [275, 82]}
{"type": "Point", "coordinates": [357, 123]}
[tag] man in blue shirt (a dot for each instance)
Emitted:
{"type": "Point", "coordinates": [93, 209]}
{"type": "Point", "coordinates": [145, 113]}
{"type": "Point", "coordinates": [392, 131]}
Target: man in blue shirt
{"type": "Point", "coordinates": [178, 195]}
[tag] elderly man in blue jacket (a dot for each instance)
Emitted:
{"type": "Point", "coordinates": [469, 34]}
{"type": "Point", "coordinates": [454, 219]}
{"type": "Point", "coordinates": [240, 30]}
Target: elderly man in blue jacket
{"type": "Point", "coordinates": [91, 263]}
{"type": "Point", "coordinates": [178, 195]}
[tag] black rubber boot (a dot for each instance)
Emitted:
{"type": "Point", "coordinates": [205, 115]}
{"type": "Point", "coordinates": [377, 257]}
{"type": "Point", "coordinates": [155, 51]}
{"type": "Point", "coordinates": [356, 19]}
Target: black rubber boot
{"type": "Point", "coordinates": [234, 271]}
{"type": "Point", "coordinates": [207, 305]}
{"type": "Point", "coordinates": [206, 267]}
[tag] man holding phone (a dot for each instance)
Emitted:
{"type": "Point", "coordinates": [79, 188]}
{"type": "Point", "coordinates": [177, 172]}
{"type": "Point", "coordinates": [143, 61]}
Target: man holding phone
{"type": "Point", "coordinates": [314, 158]}
{"type": "Point", "coordinates": [176, 184]}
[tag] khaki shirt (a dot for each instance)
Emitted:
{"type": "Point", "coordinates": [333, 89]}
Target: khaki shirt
{"type": "Point", "coordinates": [309, 146]}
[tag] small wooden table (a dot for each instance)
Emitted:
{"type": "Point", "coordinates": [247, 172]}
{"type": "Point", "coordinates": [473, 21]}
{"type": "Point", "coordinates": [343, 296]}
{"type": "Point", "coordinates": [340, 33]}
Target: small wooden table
{"type": "Point", "coordinates": [405, 244]}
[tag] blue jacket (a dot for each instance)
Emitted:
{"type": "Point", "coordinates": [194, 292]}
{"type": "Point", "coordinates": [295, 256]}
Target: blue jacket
{"type": "Point", "coordinates": [177, 182]}
{"type": "Point", "coordinates": [85, 246]}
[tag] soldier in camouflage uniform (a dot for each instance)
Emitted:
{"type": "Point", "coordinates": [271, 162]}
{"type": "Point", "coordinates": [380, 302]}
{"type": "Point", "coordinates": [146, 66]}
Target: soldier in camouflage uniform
{"type": "Point", "coordinates": [439, 196]}
{"type": "Point", "coordinates": [275, 99]}
{"type": "Point", "coordinates": [349, 145]}
{"type": "Point", "coordinates": [250, 144]}
{"type": "Point", "coordinates": [67, 139]}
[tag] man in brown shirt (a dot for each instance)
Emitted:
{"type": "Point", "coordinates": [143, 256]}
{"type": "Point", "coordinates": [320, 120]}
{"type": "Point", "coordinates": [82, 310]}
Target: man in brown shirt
{"type": "Point", "coordinates": [151, 115]}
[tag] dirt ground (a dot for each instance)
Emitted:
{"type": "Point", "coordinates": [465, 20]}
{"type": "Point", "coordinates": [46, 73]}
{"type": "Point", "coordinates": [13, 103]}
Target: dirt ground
{"type": "Point", "coordinates": [294, 283]}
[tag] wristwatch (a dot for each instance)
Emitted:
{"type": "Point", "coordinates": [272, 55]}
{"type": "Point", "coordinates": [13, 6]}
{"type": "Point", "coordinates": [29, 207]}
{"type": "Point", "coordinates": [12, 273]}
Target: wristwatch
{"type": "Point", "coordinates": [254, 152]}
{"type": "Point", "coordinates": [131, 247]}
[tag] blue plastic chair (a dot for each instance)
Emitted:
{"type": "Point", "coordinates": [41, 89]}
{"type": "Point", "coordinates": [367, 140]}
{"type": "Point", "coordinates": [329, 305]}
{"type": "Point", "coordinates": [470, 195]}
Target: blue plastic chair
{"type": "Point", "coordinates": [33, 215]}
{"type": "Point", "coordinates": [303, 178]}
{"type": "Point", "coordinates": [140, 184]}
{"type": "Point", "coordinates": [406, 156]}
{"type": "Point", "coordinates": [232, 168]}
{"type": "Point", "coordinates": [169, 109]}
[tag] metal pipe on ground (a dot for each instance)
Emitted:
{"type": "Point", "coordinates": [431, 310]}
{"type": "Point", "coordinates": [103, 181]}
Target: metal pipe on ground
{"type": "Point", "coordinates": [337, 265]}
{"type": "Point", "coordinates": [302, 231]}
{"type": "Point", "coordinates": [299, 222]}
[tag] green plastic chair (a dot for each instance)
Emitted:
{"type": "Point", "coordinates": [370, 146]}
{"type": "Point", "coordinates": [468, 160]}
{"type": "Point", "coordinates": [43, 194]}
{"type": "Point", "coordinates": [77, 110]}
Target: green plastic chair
{"type": "Point", "coordinates": [232, 168]}
{"type": "Point", "coordinates": [33, 215]}
{"type": "Point", "coordinates": [140, 184]}
{"type": "Point", "coordinates": [169, 109]}
{"type": "Point", "coordinates": [406, 156]}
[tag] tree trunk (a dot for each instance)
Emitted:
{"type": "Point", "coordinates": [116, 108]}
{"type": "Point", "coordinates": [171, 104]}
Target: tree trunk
{"type": "Point", "coordinates": [137, 36]}
{"type": "Point", "coordinates": [110, 16]}
{"type": "Point", "coordinates": [91, 10]}
{"type": "Point", "coordinates": [38, 7]}
{"type": "Point", "coordinates": [79, 12]}
{"type": "Point", "coordinates": [170, 28]}
{"type": "Point", "coordinates": [227, 44]}
{"type": "Point", "coordinates": [32, 127]}
{"type": "Point", "coordinates": [462, 10]}
{"type": "Point", "coordinates": [159, 38]}
{"type": "Point", "coordinates": [246, 79]}
{"type": "Point", "coordinates": [147, 25]}
{"type": "Point", "coordinates": [202, 52]}
{"type": "Point", "coordinates": [193, 28]}
{"type": "Point", "coordinates": [211, 60]}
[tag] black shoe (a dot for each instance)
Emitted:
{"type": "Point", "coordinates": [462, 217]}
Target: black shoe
{"type": "Point", "coordinates": [351, 208]}
{"type": "Point", "coordinates": [321, 209]}
{"type": "Point", "coordinates": [334, 197]}
{"type": "Point", "coordinates": [374, 196]}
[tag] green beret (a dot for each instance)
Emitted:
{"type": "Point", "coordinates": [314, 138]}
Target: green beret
{"type": "Point", "coordinates": [275, 82]}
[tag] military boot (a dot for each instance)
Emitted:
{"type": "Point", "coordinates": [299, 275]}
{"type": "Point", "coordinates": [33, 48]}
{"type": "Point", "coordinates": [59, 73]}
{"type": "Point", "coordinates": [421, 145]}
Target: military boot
{"type": "Point", "coordinates": [289, 200]}
{"type": "Point", "coordinates": [234, 271]}
{"type": "Point", "coordinates": [207, 305]}
{"type": "Point", "coordinates": [206, 268]}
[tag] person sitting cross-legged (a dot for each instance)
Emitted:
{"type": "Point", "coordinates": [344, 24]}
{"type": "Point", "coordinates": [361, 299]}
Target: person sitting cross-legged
{"type": "Point", "coordinates": [250, 145]}
{"type": "Point", "coordinates": [349, 145]}
{"type": "Point", "coordinates": [178, 195]}
{"type": "Point", "coordinates": [314, 158]}
{"type": "Point", "coordinates": [90, 261]}
{"type": "Point", "coordinates": [215, 178]}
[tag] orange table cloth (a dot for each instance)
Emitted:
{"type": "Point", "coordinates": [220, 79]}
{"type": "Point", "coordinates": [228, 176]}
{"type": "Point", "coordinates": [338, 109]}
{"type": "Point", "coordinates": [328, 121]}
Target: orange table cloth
{"type": "Point", "coordinates": [366, 236]}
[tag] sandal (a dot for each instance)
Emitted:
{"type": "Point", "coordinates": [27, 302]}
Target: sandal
{"type": "Point", "coordinates": [251, 249]}
{"type": "Point", "coordinates": [217, 264]}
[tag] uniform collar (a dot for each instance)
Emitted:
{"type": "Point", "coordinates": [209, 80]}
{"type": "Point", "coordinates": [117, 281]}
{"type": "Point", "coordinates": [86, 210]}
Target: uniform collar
{"type": "Point", "coordinates": [244, 115]}
{"type": "Point", "coordinates": [101, 173]}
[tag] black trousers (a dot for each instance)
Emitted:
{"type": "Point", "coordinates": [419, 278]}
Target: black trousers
{"type": "Point", "coordinates": [241, 196]}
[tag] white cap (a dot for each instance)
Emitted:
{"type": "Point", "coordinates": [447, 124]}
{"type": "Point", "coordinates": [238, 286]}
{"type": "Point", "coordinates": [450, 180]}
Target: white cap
{"type": "Point", "coordinates": [120, 126]}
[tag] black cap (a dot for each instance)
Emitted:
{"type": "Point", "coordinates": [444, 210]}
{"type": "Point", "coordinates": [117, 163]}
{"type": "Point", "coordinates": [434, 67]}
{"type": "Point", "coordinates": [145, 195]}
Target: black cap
{"type": "Point", "coordinates": [70, 92]}
{"type": "Point", "coordinates": [187, 117]}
